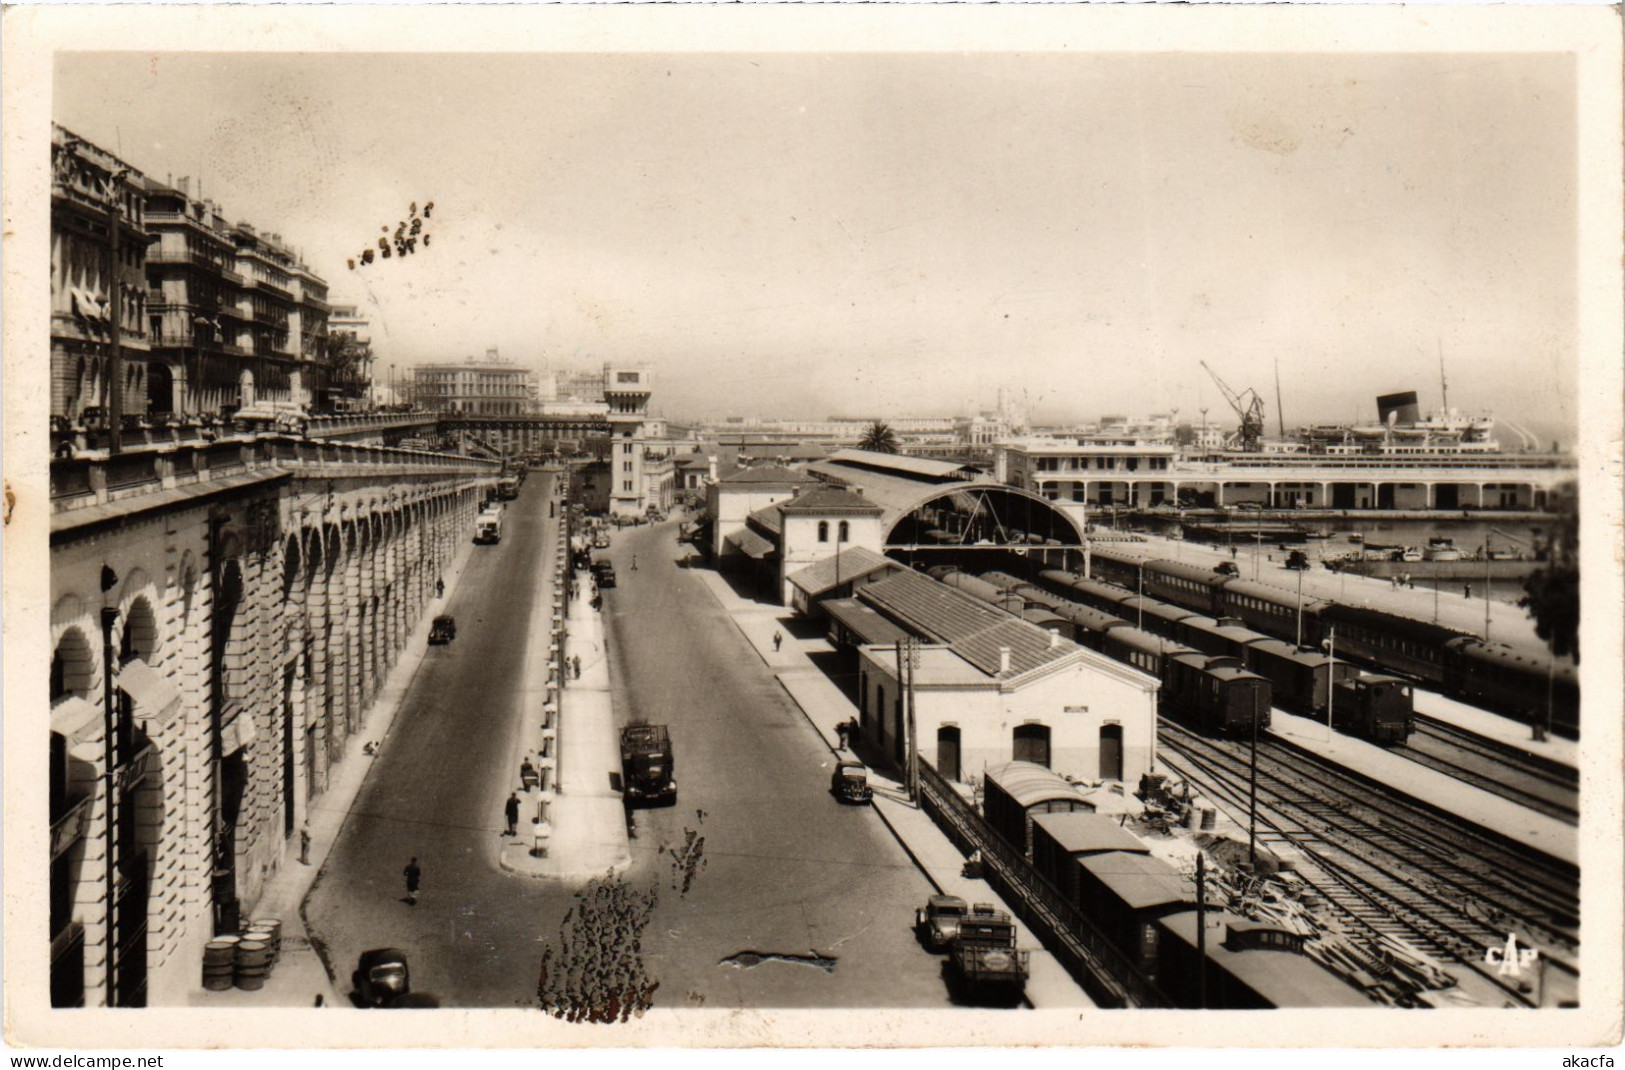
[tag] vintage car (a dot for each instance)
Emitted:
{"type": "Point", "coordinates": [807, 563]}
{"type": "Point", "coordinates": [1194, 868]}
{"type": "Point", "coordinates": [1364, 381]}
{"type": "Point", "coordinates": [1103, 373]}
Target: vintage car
{"type": "Point", "coordinates": [443, 630]}
{"type": "Point", "coordinates": [381, 978]}
{"type": "Point", "coordinates": [604, 574]}
{"type": "Point", "coordinates": [938, 924]}
{"type": "Point", "coordinates": [850, 782]}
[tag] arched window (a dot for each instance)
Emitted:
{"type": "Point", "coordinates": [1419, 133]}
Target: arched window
{"type": "Point", "coordinates": [844, 534]}
{"type": "Point", "coordinates": [823, 531]}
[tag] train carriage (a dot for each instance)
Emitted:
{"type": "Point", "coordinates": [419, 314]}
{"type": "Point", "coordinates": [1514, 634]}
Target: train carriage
{"type": "Point", "coordinates": [1398, 644]}
{"type": "Point", "coordinates": [1222, 638]}
{"type": "Point", "coordinates": [1049, 621]}
{"type": "Point", "coordinates": [1195, 587]}
{"type": "Point", "coordinates": [1154, 616]}
{"type": "Point", "coordinates": [1250, 966]}
{"type": "Point", "coordinates": [1016, 792]}
{"type": "Point", "coordinates": [1533, 689]}
{"type": "Point", "coordinates": [1301, 679]}
{"type": "Point", "coordinates": [1274, 611]}
{"type": "Point", "coordinates": [1124, 893]}
{"type": "Point", "coordinates": [1139, 648]}
{"type": "Point", "coordinates": [1121, 569]}
{"type": "Point", "coordinates": [1219, 695]}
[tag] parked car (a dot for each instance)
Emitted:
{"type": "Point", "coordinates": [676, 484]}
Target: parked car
{"type": "Point", "coordinates": [604, 573]}
{"type": "Point", "coordinates": [850, 782]}
{"type": "Point", "coordinates": [443, 630]}
{"type": "Point", "coordinates": [381, 978]}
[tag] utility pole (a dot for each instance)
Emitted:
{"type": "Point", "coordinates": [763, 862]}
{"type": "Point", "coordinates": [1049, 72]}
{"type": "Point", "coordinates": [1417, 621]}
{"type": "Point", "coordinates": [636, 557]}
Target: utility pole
{"type": "Point", "coordinates": [1252, 799]}
{"type": "Point", "coordinates": [1331, 674]}
{"type": "Point", "coordinates": [1201, 932]}
{"type": "Point", "coordinates": [906, 656]}
{"type": "Point", "coordinates": [1298, 643]}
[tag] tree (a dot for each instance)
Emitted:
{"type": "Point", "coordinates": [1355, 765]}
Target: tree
{"type": "Point", "coordinates": [1552, 592]}
{"type": "Point", "coordinates": [880, 438]}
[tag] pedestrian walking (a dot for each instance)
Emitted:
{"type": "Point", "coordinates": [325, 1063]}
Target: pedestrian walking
{"type": "Point", "coordinates": [527, 774]}
{"type": "Point", "coordinates": [440, 588]}
{"type": "Point", "coordinates": [512, 812]}
{"type": "Point", "coordinates": [575, 666]}
{"type": "Point", "coordinates": [634, 562]}
{"type": "Point", "coordinates": [778, 641]}
{"type": "Point", "coordinates": [842, 731]}
{"type": "Point", "coordinates": [1467, 590]}
{"type": "Point", "coordinates": [304, 843]}
{"type": "Point", "coordinates": [414, 880]}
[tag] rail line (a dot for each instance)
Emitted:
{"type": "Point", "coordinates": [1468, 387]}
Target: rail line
{"type": "Point", "coordinates": [1395, 866]}
{"type": "Point", "coordinates": [1538, 783]}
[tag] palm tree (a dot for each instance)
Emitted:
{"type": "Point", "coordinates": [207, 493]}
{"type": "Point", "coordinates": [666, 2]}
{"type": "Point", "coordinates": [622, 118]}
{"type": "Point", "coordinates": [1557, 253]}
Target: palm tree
{"type": "Point", "coordinates": [880, 438]}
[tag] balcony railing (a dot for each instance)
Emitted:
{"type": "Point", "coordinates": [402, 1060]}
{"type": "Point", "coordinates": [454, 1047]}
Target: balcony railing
{"type": "Point", "coordinates": [186, 256]}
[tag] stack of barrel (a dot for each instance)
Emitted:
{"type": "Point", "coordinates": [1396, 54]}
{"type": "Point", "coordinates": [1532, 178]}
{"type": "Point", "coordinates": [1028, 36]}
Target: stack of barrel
{"type": "Point", "coordinates": [243, 960]}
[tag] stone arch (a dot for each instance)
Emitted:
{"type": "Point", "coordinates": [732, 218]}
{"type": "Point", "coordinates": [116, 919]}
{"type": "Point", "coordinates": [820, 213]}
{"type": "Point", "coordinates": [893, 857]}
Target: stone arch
{"type": "Point", "coordinates": [139, 638]}
{"type": "Point", "coordinates": [73, 665]}
{"type": "Point", "coordinates": [292, 560]}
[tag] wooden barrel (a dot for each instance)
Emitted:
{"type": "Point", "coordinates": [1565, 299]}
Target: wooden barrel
{"type": "Point", "coordinates": [219, 963]}
{"type": "Point", "coordinates": [272, 927]}
{"type": "Point", "coordinates": [253, 963]}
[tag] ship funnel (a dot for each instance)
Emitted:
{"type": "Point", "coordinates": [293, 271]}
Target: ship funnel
{"type": "Point", "coordinates": [1400, 409]}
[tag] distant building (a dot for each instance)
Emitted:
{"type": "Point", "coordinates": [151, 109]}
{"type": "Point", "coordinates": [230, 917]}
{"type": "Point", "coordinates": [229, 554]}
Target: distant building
{"type": "Point", "coordinates": [349, 337]}
{"type": "Point", "coordinates": [89, 187]}
{"type": "Point", "coordinates": [477, 387]}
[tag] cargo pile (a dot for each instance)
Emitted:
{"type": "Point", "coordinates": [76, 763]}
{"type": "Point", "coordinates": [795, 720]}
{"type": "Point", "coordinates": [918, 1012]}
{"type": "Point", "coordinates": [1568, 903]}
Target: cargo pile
{"type": "Point", "coordinates": [243, 960]}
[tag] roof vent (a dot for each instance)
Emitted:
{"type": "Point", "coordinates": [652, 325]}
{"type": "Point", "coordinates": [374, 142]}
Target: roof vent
{"type": "Point", "coordinates": [1054, 640]}
{"type": "Point", "coordinates": [1004, 659]}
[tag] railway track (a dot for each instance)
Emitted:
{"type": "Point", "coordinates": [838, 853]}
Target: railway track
{"type": "Point", "coordinates": [1393, 866]}
{"type": "Point", "coordinates": [1532, 781]}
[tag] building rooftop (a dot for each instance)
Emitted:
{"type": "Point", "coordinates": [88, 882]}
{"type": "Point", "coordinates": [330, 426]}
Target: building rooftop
{"type": "Point", "coordinates": [915, 467]}
{"type": "Point", "coordinates": [764, 474]}
{"type": "Point", "coordinates": [769, 518]}
{"type": "Point", "coordinates": [835, 501]}
{"type": "Point", "coordinates": [864, 622]}
{"type": "Point", "coordinates": [844, 567]}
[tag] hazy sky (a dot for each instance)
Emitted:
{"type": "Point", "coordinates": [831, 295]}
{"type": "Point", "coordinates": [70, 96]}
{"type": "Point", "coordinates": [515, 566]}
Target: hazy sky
{"type": "Point", "coordinates": [903, 234]}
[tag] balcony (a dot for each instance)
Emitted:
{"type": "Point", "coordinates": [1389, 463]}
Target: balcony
{"type": "Point", "coordinates": [251, 283]}
{"type": "Point", "coordinates": [317, 303]}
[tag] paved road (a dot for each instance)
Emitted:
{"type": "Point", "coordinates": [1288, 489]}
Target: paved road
{"type": "Point", "coordinates": [787, 869]}
{"type": "Point", "coordinates": [437, 792]}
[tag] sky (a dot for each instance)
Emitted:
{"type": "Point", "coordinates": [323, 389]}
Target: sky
{"type": "Point", "coordinates": [902, 234]}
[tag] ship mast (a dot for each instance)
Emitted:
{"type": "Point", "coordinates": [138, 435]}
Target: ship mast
{"type": "Point", "coordinates": [1444, 387]}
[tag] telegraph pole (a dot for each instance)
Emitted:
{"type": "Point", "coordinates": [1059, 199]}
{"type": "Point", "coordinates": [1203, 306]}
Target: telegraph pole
{"type": "Point", "coordinates": [1201, 932]}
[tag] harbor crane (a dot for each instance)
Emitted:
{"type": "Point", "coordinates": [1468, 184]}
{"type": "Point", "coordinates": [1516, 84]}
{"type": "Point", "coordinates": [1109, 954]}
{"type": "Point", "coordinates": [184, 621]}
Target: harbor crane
{"type": "Point", "coordinates": [1248, 405]}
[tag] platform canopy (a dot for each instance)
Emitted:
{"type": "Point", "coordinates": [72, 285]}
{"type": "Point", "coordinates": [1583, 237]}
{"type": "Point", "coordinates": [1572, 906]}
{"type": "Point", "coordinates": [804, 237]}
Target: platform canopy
{"type": "Point", "coordinates": [927, 510]}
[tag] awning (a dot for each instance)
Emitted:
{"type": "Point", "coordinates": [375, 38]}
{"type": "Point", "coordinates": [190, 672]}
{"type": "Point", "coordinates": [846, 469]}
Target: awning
{"type": "Point", "coordinates": [750, 543]}
{"type": "Point", "coordinates": [79, 721]}
{"type": "Point", "coordinates": [86, 304]}
{"type": "Point", "coordinates": [154, 699]}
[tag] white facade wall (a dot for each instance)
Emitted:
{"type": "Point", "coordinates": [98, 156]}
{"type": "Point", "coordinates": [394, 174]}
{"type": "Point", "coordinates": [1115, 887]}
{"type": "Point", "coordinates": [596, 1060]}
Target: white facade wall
{"type": "Point", "coordinates": [730, 507]}
{"type": "Point", "coordinates": [800, 547]}
{"type": "Point", "coordinates": [1075, 702]}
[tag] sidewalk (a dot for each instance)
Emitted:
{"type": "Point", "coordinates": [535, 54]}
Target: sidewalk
{"type": "Point", "coordinates": [824, 705]}
{"type": "Point", "coordinates": [582, 830]}
{"type": "Point", "coordinates": [300, 978]}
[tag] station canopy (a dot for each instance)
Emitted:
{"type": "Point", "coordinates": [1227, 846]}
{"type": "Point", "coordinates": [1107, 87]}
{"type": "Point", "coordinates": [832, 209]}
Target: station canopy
{"type": "Point", "coordinates": [932, 505]}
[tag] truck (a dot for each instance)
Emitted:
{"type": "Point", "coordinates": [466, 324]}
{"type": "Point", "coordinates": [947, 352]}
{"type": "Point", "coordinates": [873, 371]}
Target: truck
{"type": "Point", "coordinates": [938, 924]}
{"type": "Point", "coordinates": [488, 527]}
{"type": "Point", "coordinates": [646, 766]}
{"type": "Point", "coordinates": [986, 965]}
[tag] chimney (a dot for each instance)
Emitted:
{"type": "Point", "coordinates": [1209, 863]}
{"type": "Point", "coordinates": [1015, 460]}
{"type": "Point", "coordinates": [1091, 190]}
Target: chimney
{"type": "Point", "coordinates": [1004, 660]}
{"type": "Point", "coordinates": [711, 467]}
{"type": "Point", "coordinates": [1054, 640]}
